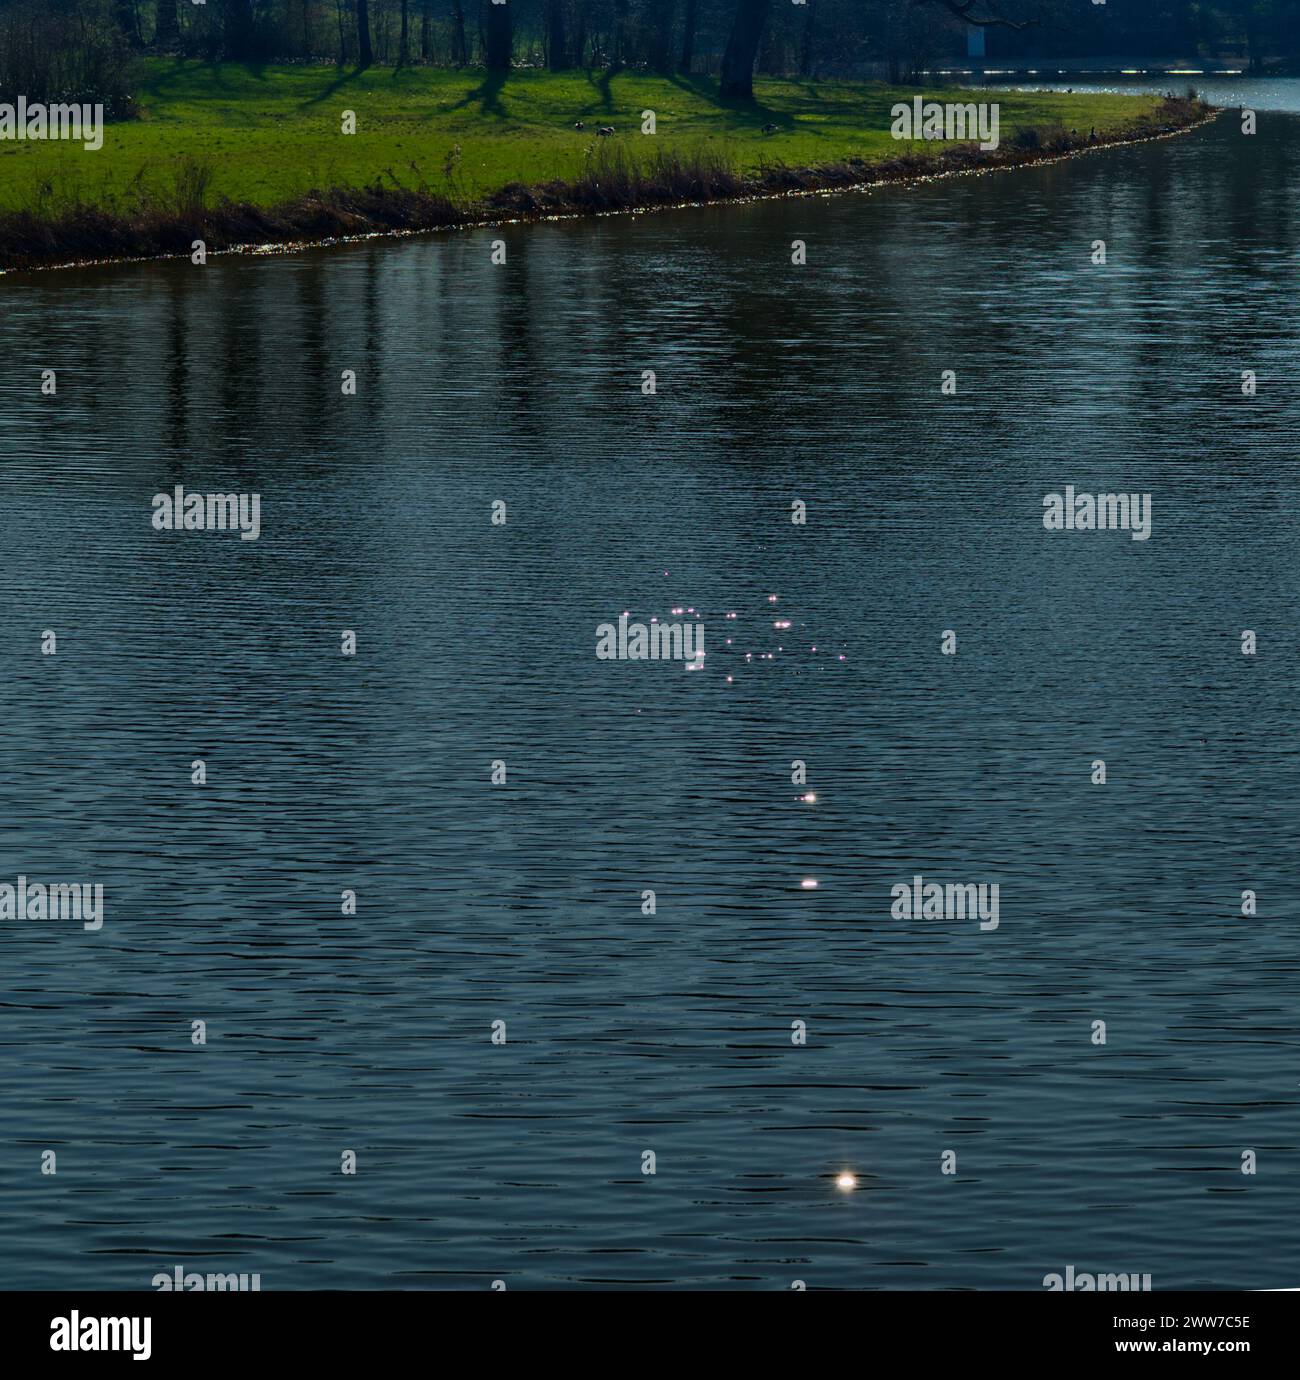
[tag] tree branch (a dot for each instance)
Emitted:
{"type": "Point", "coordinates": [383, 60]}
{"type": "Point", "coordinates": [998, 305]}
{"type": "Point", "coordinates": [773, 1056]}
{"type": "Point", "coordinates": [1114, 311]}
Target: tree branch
{"type": "Point", "coordinates": [962, 9]}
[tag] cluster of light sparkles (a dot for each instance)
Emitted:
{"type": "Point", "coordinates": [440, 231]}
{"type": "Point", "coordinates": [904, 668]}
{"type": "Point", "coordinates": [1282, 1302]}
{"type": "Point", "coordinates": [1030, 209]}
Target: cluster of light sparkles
{"type": "Point", "coordinates": [845, 1181]}
{"type": "Point", "coordinates": [778, 625]}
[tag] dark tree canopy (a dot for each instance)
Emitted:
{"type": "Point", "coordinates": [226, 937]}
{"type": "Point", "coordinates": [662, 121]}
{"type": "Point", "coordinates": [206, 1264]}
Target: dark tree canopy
{"type": "Point", "coordinates": [727, 39]}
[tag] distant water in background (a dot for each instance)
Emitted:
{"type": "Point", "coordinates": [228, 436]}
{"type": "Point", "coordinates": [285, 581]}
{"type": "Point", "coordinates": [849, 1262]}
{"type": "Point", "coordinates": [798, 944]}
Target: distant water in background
{"type": "Point", "coordinates": [523, 902]}
{"type": "Point", "coordinates": [1256, 93]}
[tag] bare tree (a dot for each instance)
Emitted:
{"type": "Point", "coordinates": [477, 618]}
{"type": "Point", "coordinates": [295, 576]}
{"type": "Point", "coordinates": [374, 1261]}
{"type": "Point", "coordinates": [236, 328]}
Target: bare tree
{"type": "Point", "coordinates": [688, 34]}
{"type": "Point", "coordinates": [238, 30]}
{"type": "Point", "coordinates": [459, 47]}
{"type": "Point", "coordinates": [578, 37]}
{"type": "Point", "coordinates": [124, 13]}
{"type": "Point", "coordinates": [499, 37]}
{"type": "Point", "coordinates": [557, 53]}
{"type": "Point", "coordinates": [619, 51]}
{"type": "Point", "coordinates": [167, 25]}
{"type": "Point", "coordinates": [983, 14]}
{"type": "Point", "coordinates": [365, 53]}
{"type": "Point", "coordinates": [806, 40]}
{"type": "Point", "coordinates": [742, 48]}
{"type": "Point", "coordinates": [661, 55]}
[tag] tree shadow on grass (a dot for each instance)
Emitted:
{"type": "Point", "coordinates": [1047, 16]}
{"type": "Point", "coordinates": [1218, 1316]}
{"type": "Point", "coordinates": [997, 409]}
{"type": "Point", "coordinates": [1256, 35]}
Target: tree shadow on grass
{"type": "Point", "coordinates": [163, 82]}
{"type": "Point", "coordinates": [160, 80]}
{"type": "Point", "coordinates": [488, 95]}
{"type": "Point", "coordinates": [602, 81]}
{"type": "Point", "coordinates": [339, 82]}
{"type": "Point", "coordinates": [750, 112]}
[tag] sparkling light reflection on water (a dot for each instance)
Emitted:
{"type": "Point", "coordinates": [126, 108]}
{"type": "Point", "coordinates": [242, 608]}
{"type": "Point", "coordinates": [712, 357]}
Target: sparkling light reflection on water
{"type": "Point", "coordinates": [523, 903]}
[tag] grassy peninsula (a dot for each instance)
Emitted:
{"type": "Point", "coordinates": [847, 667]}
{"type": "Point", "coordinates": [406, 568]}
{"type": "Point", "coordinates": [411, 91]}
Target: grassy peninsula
{"type": "Point", "coordinates": [242, 155]}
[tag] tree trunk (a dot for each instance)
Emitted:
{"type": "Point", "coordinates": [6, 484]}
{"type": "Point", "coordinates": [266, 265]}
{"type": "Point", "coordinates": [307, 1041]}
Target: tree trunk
{"type": "Point", "coordinates": [365, 53]}
{"type": "Point", "coordinates": [499, 38]}
{"type": "Point", "coordinates": [661, 58]}
{"type": "Point", "coordinates": [124, 13]}
{"type": "Point", "coordinates": [1254, 57]}
{"type": "Point", "coordinates": [618, 55]}
{"type": "Point", "coordinates": [404, 43]}
{"type": "Point", "coordinates": [806, 45]}
{"type": "Point", "coordinates": [688, 35]}
{"type": "Point", "coordinates": [167, 29]}
{"type": "Point", "coordinates": [426, 21]}
{"type": "Point", "coordinates": [578, 40]}
{"type": "Point", "coordinates": [742, 48]}
{"type": "Point", "coordinates": [459, 55]}
{"type": "Point", "coordinates": [557, 54]}
{"type": "Point", "coordinates": [238, 35]}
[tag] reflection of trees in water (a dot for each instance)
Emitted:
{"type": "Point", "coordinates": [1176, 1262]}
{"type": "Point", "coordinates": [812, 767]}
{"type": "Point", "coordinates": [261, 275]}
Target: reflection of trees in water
{"type": "Point", "coordinates": [520, 314]}
{"type": "Point", "coordinates": [178, 373]}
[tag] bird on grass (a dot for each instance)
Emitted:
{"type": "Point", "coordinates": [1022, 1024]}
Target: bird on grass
{"type": "Point", "coordinates": [605, 131]}
{"type": "Point", "coordinates": [578, 124]}
{"type": "Point", "coordinates": [769, 129]}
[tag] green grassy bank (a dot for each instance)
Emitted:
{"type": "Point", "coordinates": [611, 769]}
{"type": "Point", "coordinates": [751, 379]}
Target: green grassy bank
{"type": "Point", "coordinates": [434, 146]}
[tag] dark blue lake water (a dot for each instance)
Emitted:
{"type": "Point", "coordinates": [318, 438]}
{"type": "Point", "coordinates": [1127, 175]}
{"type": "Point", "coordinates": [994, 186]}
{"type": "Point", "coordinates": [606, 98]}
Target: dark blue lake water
{"type": "Point", "coordinates": [523, 902]}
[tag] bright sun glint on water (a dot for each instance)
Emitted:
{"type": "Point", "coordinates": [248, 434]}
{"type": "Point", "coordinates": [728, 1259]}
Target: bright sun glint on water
{"type": "Point", "coordinates": [846, 1181]}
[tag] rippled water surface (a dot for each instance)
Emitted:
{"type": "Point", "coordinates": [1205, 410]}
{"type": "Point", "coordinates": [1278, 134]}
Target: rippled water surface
{"type": "Point", "coordinates": [523, 902]}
